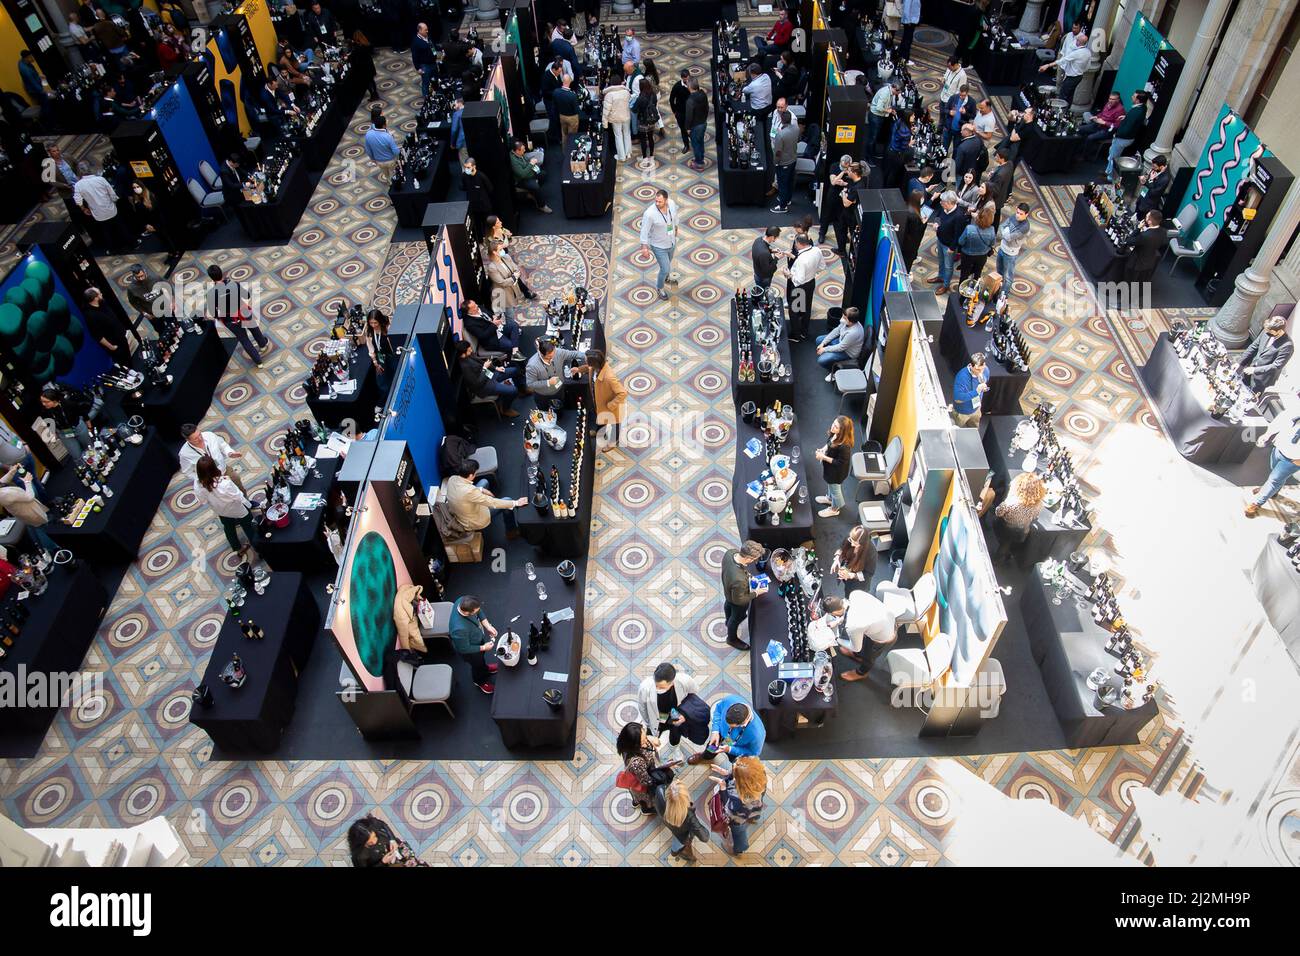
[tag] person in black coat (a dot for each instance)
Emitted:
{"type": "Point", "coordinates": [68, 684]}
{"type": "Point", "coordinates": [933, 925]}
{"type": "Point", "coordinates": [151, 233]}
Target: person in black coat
{"type": "Point", "coordinates": [677, 98]}
{"type": "Point", "coordinates": [491, 334]}
{"type": "Point", "coordinates": [763, 256]}
{"type": "Point", "coordinates": [970, 154]}
{"type": "Point", "coordinates": [232, 181]}
{"type": "Point", "coordinates": [1000, 183]}
{"type": "Point", "coordinates": [1264, 360]}
{"type": "Point", "coordinates": [1149, 243]}
{"type": "Point", "coordinates": [318, 24]}
{"type": "Point", "coordinates": [372, 842]}
{"type": "Point", "coordinates": [912, 229]}
{"type": "Point", "coordinates": [1157, 184]}
{"type": "Point", "coordinates": [478, 190]}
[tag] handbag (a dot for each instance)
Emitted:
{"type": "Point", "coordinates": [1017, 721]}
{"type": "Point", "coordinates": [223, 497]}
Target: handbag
{"type": "Point", "coordinates": [717, 813]}
{"type": "Point", "coordinates": [627, 780]}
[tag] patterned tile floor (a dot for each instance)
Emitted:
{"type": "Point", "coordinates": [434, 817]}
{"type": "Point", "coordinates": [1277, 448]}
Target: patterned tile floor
{"type": "Point", "coordinates": [662, 519]}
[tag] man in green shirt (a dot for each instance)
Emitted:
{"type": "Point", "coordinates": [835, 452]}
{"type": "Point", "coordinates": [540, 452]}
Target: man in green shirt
{"type": "Point", "coordinates": [527, 174]}
{"type": "Point", "coordinates": [473, 636]}
{"type": "Point", "coordinates": [736, 593]}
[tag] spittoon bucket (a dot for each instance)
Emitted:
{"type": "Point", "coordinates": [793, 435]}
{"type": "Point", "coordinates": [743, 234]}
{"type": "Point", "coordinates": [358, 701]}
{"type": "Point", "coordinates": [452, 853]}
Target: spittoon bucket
{"type": "Point", "coordinates": [747, 412]}
{"type": "Point", "coordinates": [776, 691]}
{"type": "Point", "coordinates": [568, 571]}
{"type": "Point", "coordinates": [554, 698]}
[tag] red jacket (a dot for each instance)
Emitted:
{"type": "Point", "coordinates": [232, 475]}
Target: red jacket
{"type": "Point", "coordinates": [780, 32]}
{"type": "Point", "coordinates": [1111, 116]}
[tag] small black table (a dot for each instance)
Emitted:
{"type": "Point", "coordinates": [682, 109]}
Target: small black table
{"type": "Point", "coordinates": [1277, 585]}
{"type": "Point", "coordinates": [745, 186]}
{"type": "Point", "coordinates": [1198, 437]}
{"type": "Point", "coordinates": [1049, 537]}
{"type": "Point", "coordinates": [1049, 154]}
{"type": "Point", "coordinates": [1001, 67]}
{"type": "Point", "coordinates": [359, 409]}
{"type": "Point", "coordinates": [252, 717]}
{"type": "Point", "coordinates": [139, 480]}
{"type": "Point", "coordinates": [278, 218]}
{"type": "Point", "coordinates": [60, 627]}
{"type": "Point", "coordinates": [958, 342]}
{"type": "Point", "coordinates": [762, 394]}
{"type": "Point", "coordinates": [196, 369]}
{"type": "Point", "coordinates": [410, 201]}
{"type": "Point", "coordinates": [782, 535]}
{"type": "Point", "coordinates": [684, 16]}
{"type": "Point", "coordinates": [588, 197]}
{"type": "Point", "coordinates": [1091, 245]}
{"type": "Point", "coordinates": [1068, 646]}
{"type": "Point", "coordinates": [301, 546]}
{"type": "Point", "coordinates": [522, 717]}
{"type": "Point", "coordinates": [768, 622]}
{"type": "Point", "coordinates": [560, 537]}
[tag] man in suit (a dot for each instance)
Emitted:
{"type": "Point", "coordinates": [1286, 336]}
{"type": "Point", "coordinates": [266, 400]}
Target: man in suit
{"type": "Point", "coordinates": [1000, 183]}
{"type": "Point", "coordinates": [764, 256]}
{"type": "Point", "coordinates": [961, 110]}
{"type": "Point", "coordinates": [552, 80]}
{"type": "Point", "coordinates": [1263, 361]}
{"type": "Point", "coordinates": [1156, 184]}
{"type": "Point", "coordinates": [492, 333]}
{"type": "Point", "coordinates": [232, 181]}
{"type": "Point", "coordinates": [677, 98]}
{"type": "Point", "coordinates": [1148, 246]}
{"type": "Point", "coordinates": [970, 154]}
{"type": "Point", "coordinates": [423, 58]}
{"type": "Point", "coordinates": [562, 47]}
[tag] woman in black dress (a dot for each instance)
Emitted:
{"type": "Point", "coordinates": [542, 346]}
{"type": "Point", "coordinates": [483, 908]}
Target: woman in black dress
{"type": "Point", "coordinates": [382, 354]}
{"type": "Point", "coordinates": [835, 456]}
{"type": "Point", "coordinates": [855, 561]}
{"type": "Point", "coordinates": [912, 229]}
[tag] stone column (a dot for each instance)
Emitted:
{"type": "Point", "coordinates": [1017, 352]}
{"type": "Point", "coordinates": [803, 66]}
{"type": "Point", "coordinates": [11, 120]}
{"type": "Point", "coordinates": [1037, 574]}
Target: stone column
{"type": "Point", "coordinates": [1148, 8]}
{"type": "Point", "coordinates": [1031, 21]}
{"type": "Point", "coordinates": [59, 26]}
{"type": "Point", "coordinates": [1181, 101]}
{"type": "Point", "coordinates": [1241, 59]}
{"type": "Point", "coordinates": [1232, 322]}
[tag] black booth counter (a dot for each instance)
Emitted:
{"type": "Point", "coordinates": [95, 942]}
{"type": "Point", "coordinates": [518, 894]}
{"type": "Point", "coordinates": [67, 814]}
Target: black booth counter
{"type": "Point", "coordinates": [196, 369]}
{"type": "Point", "coordinates": [1068, 646]}
{"type": "Point", "coordinates": [523, 717]}
{"type": "Point", "coordinates": [784, 534]}
{"type": "Point", "coordinates": [278, 218]}
{"type": "Point", "coordinates": [410, 201]}
{"type": "Point", "coordinates": [589, 197]}
{"type": "Point", "coordinates": [301, 546]}
{"type": "Point", "coordinates": [685, 16]}
{"type": "Point", "coordinates": [358, 407]}
{"type": "Point", "coordinates": [768, 622]}
{"type": "Point", "coordinates": [560, 537]}
{"type": "Point", "coordinates": [745, 186]}
{"type": "Point", "coordinates": [763, 394]}
{"type": "Point", "coordinates": [958, 342]}
{"type": "Point", "coordinates": [1049, 154]}
{"type": "Point", "coordinates": [1090, 244]}
{"type": "Point", "coordinates": [1010, 67]}
{"type": "Point", "coordinates": [113, 534]}
{"type": "Point", "coordinates": [252, 717]}
{"type": "Point", "coordinates": [954, 16]}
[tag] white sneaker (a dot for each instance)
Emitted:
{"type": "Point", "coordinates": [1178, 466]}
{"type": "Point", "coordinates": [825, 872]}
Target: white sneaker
{"type": "Point", "coordinates": [822, 500]}
{"type": "Point", "coordinates": [829, 513]}
{"type": "Point", "coordinates": [830, 377]}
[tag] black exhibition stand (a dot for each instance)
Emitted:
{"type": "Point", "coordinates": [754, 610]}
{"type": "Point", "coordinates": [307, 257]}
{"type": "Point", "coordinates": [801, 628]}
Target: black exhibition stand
{"type": "Point", "coordinates": [958, 342]}
{"type": "Point", "coordinates": [1091, 246]}
{"type": "Point", "coordinates": [588, 197]}
{"type": "Point", "coordinates": [196, 369]}
{"type": "Point", "coordinates": [783, 534]}
{"type": "Point", "coordinates": [768, 622]}
{"type": "Point", "coordinates": [301, 546]}
{"type": "Point", "coordinates": [763, 393]}
{"type": "Point", "coordinates": [357, 409]}
{"type": "Point", "coordinates": [561, 537]}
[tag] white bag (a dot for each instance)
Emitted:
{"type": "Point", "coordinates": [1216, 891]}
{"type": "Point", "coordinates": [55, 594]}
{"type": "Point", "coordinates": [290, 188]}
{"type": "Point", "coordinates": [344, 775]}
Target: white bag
{"type": "Point", "coordinates": [424, 612]}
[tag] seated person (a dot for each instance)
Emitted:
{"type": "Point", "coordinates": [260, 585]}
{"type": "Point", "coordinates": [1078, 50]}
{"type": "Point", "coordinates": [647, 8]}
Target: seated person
{"type": "Point", "coordinates": [482, 378]}
{"type": "Point", "coordinates": [527, 175]}
{"type": "Point", "coordinates": [790, 78]}
{"type": "Point", "coordinates": [1101, 126]}
{"type": "Point", "coordinates": [471, 504]}
{"type": "Point", "coordinates": [545, 372]}
{"type": "Point", "coordinates": [843, 343]}
{"type": "Point", "coordinates": [777, 38]}
{"type": "Point", "coordinates": [276, 103]}
{"type": "Point", "coordinates": [474, 637]}
{"type": "Point", "coordinates": [492, 333]}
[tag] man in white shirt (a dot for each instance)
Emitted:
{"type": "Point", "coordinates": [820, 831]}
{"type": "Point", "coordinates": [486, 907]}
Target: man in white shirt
{"type": "Point", "coordinates": [758, 91]}
{"type": "Point", "coordinates": [954, 78]}
{"type": "Point", "coordinates": [986, 124]}
{"type": "Point", "coordinates": [95, 196]}
{"type": "Point", "coordinates": [659, 236]}
{"type": "Point", "coordinates": [801, 286]}
{"type": "Point", "coordinates": [1073, 61]}
{"type": "Point", "coordinates": [1283, 460]}
{"type": "Point", "coordinates": [197, 443]}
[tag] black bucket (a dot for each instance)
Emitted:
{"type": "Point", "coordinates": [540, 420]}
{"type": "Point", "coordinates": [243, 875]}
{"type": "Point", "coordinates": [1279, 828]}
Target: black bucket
{"type": "Point", "coordinates": [776, 691]}
{"type": "Point", "coordinates": [568, 571]}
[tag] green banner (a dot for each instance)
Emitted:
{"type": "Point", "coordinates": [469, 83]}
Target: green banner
{"type": "Point", "coordinates": [1144, 43]}
{"type": "Point", "coordinates": [1226, 159]}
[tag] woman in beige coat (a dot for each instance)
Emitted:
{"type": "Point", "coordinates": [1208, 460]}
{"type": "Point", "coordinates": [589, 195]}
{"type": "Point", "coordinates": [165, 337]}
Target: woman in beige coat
{"type": "Point", "coordinates": [405, 620]}
{"type": "Point", "coordinates": [504, 275]}
{"type": "Point", "coordinates": [611, 398]}
{"type": "Point", "coordinates": [19, 501]}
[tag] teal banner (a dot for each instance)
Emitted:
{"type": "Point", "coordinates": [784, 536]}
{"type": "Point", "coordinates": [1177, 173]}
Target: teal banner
{"type": "Point", "coordinates": [1144, 43]}
{"type": "Point", "coordinates": [1226, 159]}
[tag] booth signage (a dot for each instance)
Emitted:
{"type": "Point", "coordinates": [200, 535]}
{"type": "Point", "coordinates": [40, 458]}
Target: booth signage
{"type": "Point", "coordinates": [845, 134]}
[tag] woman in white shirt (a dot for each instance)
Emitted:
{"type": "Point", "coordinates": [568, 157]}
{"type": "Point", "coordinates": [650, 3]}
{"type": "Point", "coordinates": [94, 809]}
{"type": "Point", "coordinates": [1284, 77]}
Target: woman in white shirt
{"type": "Point", "coordinates": [229, 503]}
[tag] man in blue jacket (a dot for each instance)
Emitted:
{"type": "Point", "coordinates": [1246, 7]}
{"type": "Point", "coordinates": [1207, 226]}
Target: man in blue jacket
{"type": "Point", "coordinates": [968, 390]}
{"type": "Point", "coordinates": [423, 58]}
{"type": "Point", "coordinates": [736, 731]}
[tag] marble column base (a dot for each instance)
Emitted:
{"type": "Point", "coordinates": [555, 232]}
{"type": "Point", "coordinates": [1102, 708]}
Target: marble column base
{"type": "Point", "coordinates": [1231, 324]}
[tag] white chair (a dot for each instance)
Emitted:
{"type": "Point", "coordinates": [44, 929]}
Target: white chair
{"type": "Point", "coordinates": [1186, 216]}
{"type": "Point", "coordinates": [992, 683]}
{"type": "Point", "coordinates": [487, 459]}
{"type": "Point", "coordinates": [851, 77]}
{"type": "Point", "coordinates": [798, 111]}
{"type": "Point", "coordinates": [427, 684]}
{"type": "Point", "coordinates": [872, 466]}
{"type": "Point", "coordinates": [850, 381]}
{"type": "Point", "coordinates": [1196, 248]}
{"type": "Point", "coordinates": [909, 605]}
{"type": "Point", "coordinates": [441, 621]}
{"type": "Point", "coordinates": [920, 667]}
{"type": "Point", "coordinates": [867, 617]}
{"type": "Point", "coordinates": [539, 127]}
{"type": "Point", "coordinates": [208, 202]}
{"type": "Point", "coordinates": [872, 516]}
{"type": "Point", "coordinates": [804, 168]}
{"type": "Point", "coordinates": [210, 175]}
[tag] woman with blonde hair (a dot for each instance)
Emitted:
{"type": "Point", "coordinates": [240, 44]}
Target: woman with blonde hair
{"type": "Point", "coordinates": [674, 804]}
{"type": "Point", "coordinates": [835, 457]}
{"type": "Point", "coordinates": [1019, 510]}
{"type": "Point", "coordinates": [742, 799]}
{"type": "Point", "coordinates": [504, 276]}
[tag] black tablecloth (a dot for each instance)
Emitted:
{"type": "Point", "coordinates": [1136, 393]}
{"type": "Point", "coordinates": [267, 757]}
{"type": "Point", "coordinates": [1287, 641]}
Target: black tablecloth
{"type": "Point", "coordinates": [768, 622]}
{"type": "Point", "coordinates": [139, 481]}
{"type": "Point", "coordinates": [411, 200]}
{"type": "Point", "coordinates": [589, 197]}
{"type": "Point", "coordinates": [561, 537]}
{"type": "Point", "coordinates": [958, 342]}
{"type": "Point", "coordinates": [253, 716]}
{"type": "Point", "coordinates": [683, 16]}
{"type": "Point", "coordinates": [782, 535]}
{"type": "Point", "coordinates": [1067, 646]}
{"type": "Point", "coordinates": [1049, 154]}
{"type": "Point", "coordinates": [60, 626]}
{"type": "Point", "coordinates": [524, 719]}
{"type": "Point", "coordinates": [196, 368]}
{"type": "Point", "coordinates": [1001, 68]}
{"type": "Point", "coordinates": [301, 546]}
{"type": "Point", "coordinates": [762, 394]}
{"type": "Point", "coordinates": [279, 218]}
{"type": "Point", "coordinates": [357, 408]}
{"type": "Point", "coordinates": [745, 186]}
{"type": "Point", "coordinates": [1277, 585]}
{"type": "Point", "coordinates": [1198, 437]}
{"type": "Point", "coordinates": [1092, 246]}
{"type": "Point", "coordinates": [961, 19]}
{"type": "Point", "coordinates": [1048, 538]}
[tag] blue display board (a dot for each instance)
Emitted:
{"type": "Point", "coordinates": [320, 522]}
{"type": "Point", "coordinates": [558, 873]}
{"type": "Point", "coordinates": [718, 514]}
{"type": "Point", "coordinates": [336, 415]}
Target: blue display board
{"type": "Point", "coordinates": [414, 416]}
{"type": "Point", "coordinates": [179, 122]}
{"type": "Point", "coordinates": [889, 275]}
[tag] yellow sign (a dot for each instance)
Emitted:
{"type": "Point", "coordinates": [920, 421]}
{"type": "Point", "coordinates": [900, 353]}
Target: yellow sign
{"type": "Point", "coordinates": [141, 169]}
{"type": "Point", "coordinates": [845, 134]}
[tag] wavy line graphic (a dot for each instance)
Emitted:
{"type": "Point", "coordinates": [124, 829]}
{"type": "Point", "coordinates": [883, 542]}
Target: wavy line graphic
{"type": "Point", "coordinates": [1222, 188]}
{"type": "Point", "coordinates": [1208, 171]}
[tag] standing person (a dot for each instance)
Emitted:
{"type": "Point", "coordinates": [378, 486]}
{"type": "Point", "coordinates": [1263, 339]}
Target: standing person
{"type": "Point", "coordinates": [757, 91]}
{"type": "Point", "coordinates": [372, 843]}
{"type": "Point", "coordinates": [735, 730]}
{"type": "Point", "coordinates": [1149, 243]}
{"type": "Point", "coordinates": [1283, 460]}
{"type": "Point", "coordinates": [954, 80]}
{"type": "Point", "coordinates": [473, 637]}
{"type": "Point", "coordinates": [848, 205]}
{"type": "Point", "coordinates": [229, 309]}
{"type": "Point", "coordinates": [830, 211]}
{"type": "Point", "coordinates": [504, 276]}
{"type": "Point", "coordinates": [381, 149]}
{"type": "Point", "coordinates": [97, 198]}
{"type": "Point", "coordinates": [697, 118]}
{"type": "Point", "coordinates": [647, 118]}
{"type": "Point", "coordinates": [660, 697]}
{"type": "Point", "coordinates": [976, 242]}
{"type": "Point", "coordinates": [742, 799]}
{"type": "Point", "coordinates": [229, 504]}
{"type": "Point", "coordinates": [33, 82]}
{"type": "Point", "coordinates": [986, 123]}
{"type": "Point", "coordinates": [1016, 515]}
{"type": "Point", "coordinates": [545, 372]}
{"type": "Point", "coordinates": [952, 221]}
{"type": "Point", "coordinates": [457, 132]}
{"type": "Point", "coordinates": [1128, 130]}
{"type": "Point", "coordinates": [652, 75]}
{"type": "Point", "coordinates": [105, 327]}
{"type": "Point", "coordinates": [552, 81]}
{"type": "Point", "coordinates": [380, 346]}
{"type": "Point", "coordinates": [968, 390]}
{"type": "Point", "coordinates": [481, 379]}
{"type": "Point", "coordinates": [659, 236]}
{"type": "Point", "coordinates": [763, 256]}
{"type": "Point", "coordinates": [911, 231]}
{"type": "Point", "coordinates": [479, 192]}
{"type": "Point", "coordinates": [1264, 359]}
{"type": "Point", "coordinates": [843, 343]}
{"type": "Point", "coordinates": [1000, 183]}
{"type": "Point", "coordinates": [631, 47]}
{"type": "Point", "coordinates": [969, 156]}
{"type": "Point", "coordinates": [882, 105]}
{"type": "Point", "coordinates": [1074, 61]}
{"type": "Point", "coordinates": [785, 153]}
{"type": "Point", "coordinates": [911, 17]}
{"type": "Point", "coordinates": [801, 286]}
{"type": "Point", "coordinates": [736, 591]}
{"type": "Point", "coordinates": [961, 112]}
{"type": "Point", "coordinates": [854, 564]}
{"type": "Point", "coordinates": [198, 444]}
{"type": "Point", "coordinates": [639, 751]}
{"type": "Point", "coordinates": [617, 114]}
{"type": "Point", "coordinates": [899, 153]}
{"type": "Point", "coordinates": [1011, 242]}
{"type": "Point", "coordinates": [1155, 184]}
{"type": "Point", "coordinates": [835, 456]}
{"type": "Point", "coordinates": [610, 397]}
{"type": "Point", "coordinates": [18, 498]}
{"type": "Point", "coordinates": [677, 98]}
{"type": "Point", "coordinates": [423, 57]}
{"type": "Point", "coordinates": [674, 804]}
{"type": "Point", "coordinates": [566, 108]}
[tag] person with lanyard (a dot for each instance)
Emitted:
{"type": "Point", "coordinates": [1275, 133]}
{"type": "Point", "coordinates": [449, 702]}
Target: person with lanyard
{"type": "Point", "coordinates": [423, 58]}
{"type": "Point", "coordinates": [1154, 186]}
{"type": "Point", "coordinates": [735, 730]}
{"type": "Point", "coordinates": [737, 591]}
{"type": "Point", "coordinates": [545, 371]}
{"type": "Point", "coordinates": [961, 111]}
{"type": "Point", "coordinates": [847, 222]}
{"type": "Point", "coordinates": [382, 354]}
{"type": "Point", "coordinates": [801, 286]}
{"type": "Point", "coordinates": [1283, 461]}
{"type": "Point", "coordinates": [954, 79]}
{"type": "Point", "coordinates": [196, 444]}
{"type": "Point", "coordinates": [473, 637]}
{"type": "Point", "coordinates": [318, 24]}
{"type": "Point", "coordinates": [968, 391]}
{"type": "Point", "coordinates": [659, 697]}
{"type": "Point", "coordinates": [70, 412]}
{"type": "Point", "coordinates": [659, 236]}
{"type": "Point", "coordinates": [882, 107]}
